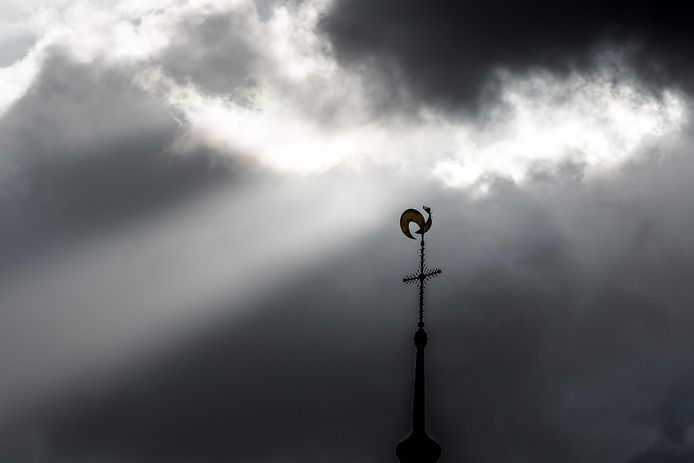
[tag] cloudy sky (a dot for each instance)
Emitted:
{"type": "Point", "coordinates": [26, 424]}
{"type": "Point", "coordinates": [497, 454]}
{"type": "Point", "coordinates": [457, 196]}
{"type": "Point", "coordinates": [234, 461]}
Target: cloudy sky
{"type": "Point", "coordinates": [200, 258]}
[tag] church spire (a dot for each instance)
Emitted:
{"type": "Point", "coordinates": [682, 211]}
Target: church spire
{"type": "Point", "coordinates": [418, 447]}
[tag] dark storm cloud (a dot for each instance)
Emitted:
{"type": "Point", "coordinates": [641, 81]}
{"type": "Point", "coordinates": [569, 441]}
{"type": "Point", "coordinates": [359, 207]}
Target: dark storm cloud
{"type": "Point", "coordinates": [446, 52]}
{"type": "Point", "coordinates": [560, 331]}
{"type": "Point", "coordinates": [86, 150]}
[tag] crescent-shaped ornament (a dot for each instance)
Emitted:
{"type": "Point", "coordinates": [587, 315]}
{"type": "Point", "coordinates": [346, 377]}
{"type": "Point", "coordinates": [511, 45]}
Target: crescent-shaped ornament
{"type": "Point", "coordinates": [413, 215]}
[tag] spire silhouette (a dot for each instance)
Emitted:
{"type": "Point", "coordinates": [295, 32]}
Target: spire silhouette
{"type": "Point", "coordinates": [418, 447]}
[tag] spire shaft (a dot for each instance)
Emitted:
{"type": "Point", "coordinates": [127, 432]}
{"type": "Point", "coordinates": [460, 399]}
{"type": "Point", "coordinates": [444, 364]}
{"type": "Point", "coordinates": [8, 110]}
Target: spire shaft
{"type": "Point", "coordinates": [419, 402]}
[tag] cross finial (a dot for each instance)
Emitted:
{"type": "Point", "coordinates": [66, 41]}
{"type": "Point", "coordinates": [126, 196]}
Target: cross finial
{"type": "Point", "coordinates": [424, 274]}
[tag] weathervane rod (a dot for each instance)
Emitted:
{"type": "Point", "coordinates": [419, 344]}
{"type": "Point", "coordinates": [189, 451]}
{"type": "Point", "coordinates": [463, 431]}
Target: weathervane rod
{"type": "Point", "coordinates": [421, 286]}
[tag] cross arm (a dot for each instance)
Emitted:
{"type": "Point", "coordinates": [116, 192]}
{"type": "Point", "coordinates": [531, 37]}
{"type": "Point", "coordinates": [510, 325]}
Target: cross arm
{"type": "Point", "coordinates": [422, 276]}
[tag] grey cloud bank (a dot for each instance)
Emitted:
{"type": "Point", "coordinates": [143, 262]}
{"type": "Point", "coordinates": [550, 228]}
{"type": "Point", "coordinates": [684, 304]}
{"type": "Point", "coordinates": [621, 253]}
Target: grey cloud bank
{"type": "Point", "coordinates": [560, 331]}
{"type": "Point", "coordinates": [85, 150]}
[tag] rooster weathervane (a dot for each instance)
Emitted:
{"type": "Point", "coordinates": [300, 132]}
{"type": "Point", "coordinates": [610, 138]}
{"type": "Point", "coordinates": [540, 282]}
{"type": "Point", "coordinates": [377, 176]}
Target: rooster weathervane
{"type": "Point", "coordinates": [418, 447]}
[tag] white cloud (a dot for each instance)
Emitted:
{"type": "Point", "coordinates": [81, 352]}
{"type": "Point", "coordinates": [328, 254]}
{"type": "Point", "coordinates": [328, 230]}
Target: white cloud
{"type": "Point", "coordinates": [595, 122]}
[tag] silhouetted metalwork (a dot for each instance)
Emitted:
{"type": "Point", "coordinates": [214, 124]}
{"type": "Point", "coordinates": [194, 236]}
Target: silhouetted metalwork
{"type": "Point", "coordinates": [418, 447]}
